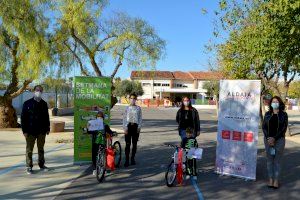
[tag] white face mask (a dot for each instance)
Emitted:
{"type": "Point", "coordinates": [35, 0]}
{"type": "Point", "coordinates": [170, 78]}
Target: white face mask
{"type": "Point", "coordinates": [186, 103]}
{"type": "Point", "coordinates": [38, 95]}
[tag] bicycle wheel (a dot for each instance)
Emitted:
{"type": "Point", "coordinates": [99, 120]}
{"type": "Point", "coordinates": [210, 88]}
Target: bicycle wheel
{"type": "Point", "coordinates": [170, 176]}
{"type": "Point", "coordinates": [118, 153]}
{"type": "Point", "coordinates": [100, 164]}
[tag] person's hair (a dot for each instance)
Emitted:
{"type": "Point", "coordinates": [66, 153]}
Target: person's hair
{"type": "Point", "coordinates": [38, 86]}
{"type": "Point", "coordinates": [133, 95]}
{"type": "Point", "coordinates": [182, 104]}
{"type": "Point", "coordinates": [100, 114]}
{"type": "Point", "coordinates": [281, 104]}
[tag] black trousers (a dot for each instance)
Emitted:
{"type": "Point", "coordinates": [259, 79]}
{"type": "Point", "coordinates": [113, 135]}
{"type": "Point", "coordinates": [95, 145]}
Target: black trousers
{"type": "Point", "coordinates": [131, 137]}
{"type": "Point", "coordinates": [95, 148]}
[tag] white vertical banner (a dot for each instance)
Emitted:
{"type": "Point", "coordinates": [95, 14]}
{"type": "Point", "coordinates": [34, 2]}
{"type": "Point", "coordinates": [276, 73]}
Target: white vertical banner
{"type": "Point", "coordinates": [238, 122]}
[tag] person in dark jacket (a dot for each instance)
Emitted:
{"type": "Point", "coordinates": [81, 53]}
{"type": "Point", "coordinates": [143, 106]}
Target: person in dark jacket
{"type": "Point", "coordinates": [274, 127]}
{"type": "Point", "coordinates": [35, 125]}
{"type": "Point", "coordinates": [188, 119]}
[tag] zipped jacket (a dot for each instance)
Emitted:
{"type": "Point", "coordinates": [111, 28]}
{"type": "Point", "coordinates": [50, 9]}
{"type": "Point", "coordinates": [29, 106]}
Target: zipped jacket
{"type": "Point", "coordinates": [282, 124]}
{"type": "Point", "coordinates": [195, 119]}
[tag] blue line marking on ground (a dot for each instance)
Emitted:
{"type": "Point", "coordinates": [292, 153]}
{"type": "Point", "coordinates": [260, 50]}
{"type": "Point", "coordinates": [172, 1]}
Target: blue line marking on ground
{"type": "Point", "coordinates": [199, 194]}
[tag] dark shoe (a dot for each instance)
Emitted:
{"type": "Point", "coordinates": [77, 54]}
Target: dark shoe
{"type": "Point", "coordinates": [44, 168]}
{"type": "Point", "coordinates": [126, 164]}
{"type": "Point", "coordinates": [133, 162]}
{"type": "Point", "coordinates": [29, 170]}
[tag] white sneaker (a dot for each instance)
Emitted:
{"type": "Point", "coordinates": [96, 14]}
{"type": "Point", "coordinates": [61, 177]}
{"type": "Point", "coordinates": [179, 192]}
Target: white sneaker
{"type": "Point", "coordinates": [94, 173]}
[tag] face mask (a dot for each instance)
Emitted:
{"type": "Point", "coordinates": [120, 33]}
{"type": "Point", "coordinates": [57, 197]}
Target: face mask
{"type": "Point", "coordinates": [275, 105]}
{"type": "Point", "coordinates": [38, 95]}
{"type": "Point", "coordinates": [186, 103]}
{"type": "Point", "coordinates": [132, 101]}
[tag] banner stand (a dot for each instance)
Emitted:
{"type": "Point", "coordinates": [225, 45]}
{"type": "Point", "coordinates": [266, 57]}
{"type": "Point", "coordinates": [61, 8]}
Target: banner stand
{"type": "Point", "coordinates": [91, 95]}
{"type": "Point", "coordinates": [238, 126]}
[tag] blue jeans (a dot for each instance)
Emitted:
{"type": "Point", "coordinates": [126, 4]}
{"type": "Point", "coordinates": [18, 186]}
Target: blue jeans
{"type": "Point", "coordinates": [273, 162]}
{"type": "Point", "coordinates": [182, 134]}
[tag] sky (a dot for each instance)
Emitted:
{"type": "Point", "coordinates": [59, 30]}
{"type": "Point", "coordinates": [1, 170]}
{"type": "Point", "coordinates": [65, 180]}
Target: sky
{"type": "Point", "coordinates": [181, 24]}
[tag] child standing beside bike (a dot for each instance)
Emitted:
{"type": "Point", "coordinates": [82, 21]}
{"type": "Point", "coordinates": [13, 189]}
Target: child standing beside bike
{"type": "Point", "coordinates": [95, 145]}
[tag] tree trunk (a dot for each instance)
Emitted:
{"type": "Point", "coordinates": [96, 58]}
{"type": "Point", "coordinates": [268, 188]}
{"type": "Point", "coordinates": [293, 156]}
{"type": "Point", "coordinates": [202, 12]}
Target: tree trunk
{"type": "Point", "coordinates": [8, 115]}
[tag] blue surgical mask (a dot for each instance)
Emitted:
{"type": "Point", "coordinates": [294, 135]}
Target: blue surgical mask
{"type": "Point", "coordinates": [275, 105]}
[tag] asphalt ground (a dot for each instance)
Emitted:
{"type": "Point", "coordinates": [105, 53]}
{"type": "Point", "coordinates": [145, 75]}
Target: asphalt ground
{"type": "Point", "coordinates": [146, 179]}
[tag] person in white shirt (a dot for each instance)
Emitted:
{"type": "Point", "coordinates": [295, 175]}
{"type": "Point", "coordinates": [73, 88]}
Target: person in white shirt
{"type": "Point", "coordinates": [132, 122]}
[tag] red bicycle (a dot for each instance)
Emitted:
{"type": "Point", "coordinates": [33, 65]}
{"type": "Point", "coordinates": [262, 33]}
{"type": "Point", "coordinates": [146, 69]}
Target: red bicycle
{"type": "Point", "coordinates": [109, 155]}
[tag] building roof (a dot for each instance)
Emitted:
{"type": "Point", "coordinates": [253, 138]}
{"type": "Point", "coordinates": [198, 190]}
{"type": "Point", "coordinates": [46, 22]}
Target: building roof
{"type": "Point", "coordinates": [151, 75]}
{"type": "Point", "coordinates": [206, 75]}
{"type": "Point", "coordinates": [178, 75]}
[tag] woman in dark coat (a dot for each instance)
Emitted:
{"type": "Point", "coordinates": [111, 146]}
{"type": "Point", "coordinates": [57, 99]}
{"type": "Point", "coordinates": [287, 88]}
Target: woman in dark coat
{"type": "Point", "coordinates": [274, 127]}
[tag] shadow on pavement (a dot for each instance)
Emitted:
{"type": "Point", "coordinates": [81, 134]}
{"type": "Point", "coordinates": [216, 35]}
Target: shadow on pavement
{"type": "Point", "coordinates": [142, 181]}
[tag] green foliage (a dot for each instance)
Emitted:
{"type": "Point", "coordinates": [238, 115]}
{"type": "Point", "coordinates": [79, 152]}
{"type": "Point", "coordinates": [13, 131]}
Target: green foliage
{"type": "Point", "coordinates": [263, 41]}
{"type": "Point", "coordinates": [2, 86]}
{"type": "Point", "coordinates": [212, 87]}
{"type": "Point", "coordinates": [22, 26]}
{"type": "Point", "coordinates": [56, 85]}
{"type": "Point", "coordinates": [126, 87]}
{"type": "Point", "coordinates": [82, 33]}
{"type": "Point", "coordinates": [294, 90]}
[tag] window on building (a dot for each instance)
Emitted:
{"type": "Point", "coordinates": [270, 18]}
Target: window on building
{"type": "Point", "coordinates": [179, 85]}
{"type": "Point", "coordinates": [166, 84]}
{"type": "Point", "coordinates": [146, 84]}
{"type": "Point", "coordinates": [157, 84]}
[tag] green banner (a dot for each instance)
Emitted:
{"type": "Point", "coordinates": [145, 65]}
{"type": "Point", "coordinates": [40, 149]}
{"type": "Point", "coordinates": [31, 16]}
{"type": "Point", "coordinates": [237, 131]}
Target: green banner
{"type": "Point", "coordinates": [91, 94]}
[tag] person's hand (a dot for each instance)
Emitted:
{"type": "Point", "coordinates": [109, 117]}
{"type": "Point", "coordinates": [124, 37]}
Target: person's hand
{"type": "Point", "coordinates": [125, 132]}
{"type": "Point", "coordinates": [271, 141]}
{"type": "Point", "coordinates": [139, 130]}
{"type": "Point", "coordinates": [25, 134]}
{"type": "Point", "coordinates": [198, 133]}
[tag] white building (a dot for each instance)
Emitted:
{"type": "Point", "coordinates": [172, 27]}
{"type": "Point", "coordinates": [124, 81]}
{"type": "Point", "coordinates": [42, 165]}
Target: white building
{"type": "Point", "coordinates": [173, 85]}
